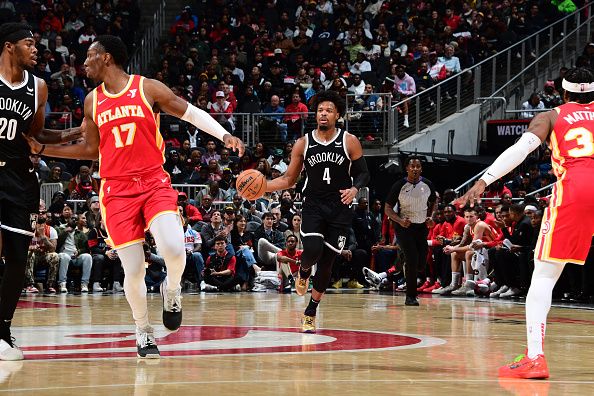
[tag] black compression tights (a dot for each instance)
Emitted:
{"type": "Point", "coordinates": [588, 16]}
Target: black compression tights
{"type": "Point", "coordinates": [15, 247]}
{"type": "Point", "coordinates": [315, 251]}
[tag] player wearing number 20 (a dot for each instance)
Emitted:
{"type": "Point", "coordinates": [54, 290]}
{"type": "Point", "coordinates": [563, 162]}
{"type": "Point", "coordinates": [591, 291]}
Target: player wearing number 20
{"type": "Point", "coordinates": [568, 223]}
{"type": "Point", "coordinates": [335, 170]}
{"type": "Point", "coordinates": [122, 128]}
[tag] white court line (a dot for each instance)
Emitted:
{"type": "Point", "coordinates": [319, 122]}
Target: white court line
{"type": "Point", "coordinates": [289, 381]}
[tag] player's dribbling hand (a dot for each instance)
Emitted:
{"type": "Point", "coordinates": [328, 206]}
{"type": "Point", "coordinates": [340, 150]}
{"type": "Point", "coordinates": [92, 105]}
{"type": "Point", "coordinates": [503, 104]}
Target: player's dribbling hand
{"type": "Point", "coordinates": [347, 196]}
{"type": "Point", "coordinates": [472, 196]}
{"type": "Point", "coordinates": [234, 144]}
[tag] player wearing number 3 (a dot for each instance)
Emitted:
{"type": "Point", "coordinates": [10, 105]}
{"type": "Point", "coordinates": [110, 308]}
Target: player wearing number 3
{"type": "Point", "coordinates": [121, 127]}
{"type": "Point", "coordinates": [565, 233]}
{"type": "Point", "coordinates": [335, 170]}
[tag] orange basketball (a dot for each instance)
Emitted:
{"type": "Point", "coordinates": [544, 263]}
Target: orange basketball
{"type": "Point", "coordinates": [251, 184]}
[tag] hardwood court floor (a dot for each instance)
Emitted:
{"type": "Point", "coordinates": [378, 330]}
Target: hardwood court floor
{"type": "Point", "coordinates": [249, 344]}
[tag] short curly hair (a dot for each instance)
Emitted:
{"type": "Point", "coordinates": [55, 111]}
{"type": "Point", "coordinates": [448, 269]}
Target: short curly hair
{"type": "Point", "coordinates": [114, 46]}
{"type": "Point", "coordinates": [330, 96]}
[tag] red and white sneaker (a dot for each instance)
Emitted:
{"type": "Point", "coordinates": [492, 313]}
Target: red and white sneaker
{"type": "Point", "coordinates": [424, 286]}
{"type": "Point", "coordinates": [31, 290]}
{"type": "Point", "coordinates": [434, 286]}
{"type": "Point", "coordinates": [524, 367]}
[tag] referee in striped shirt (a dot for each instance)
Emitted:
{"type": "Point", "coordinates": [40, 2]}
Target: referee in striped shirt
{"type": "Point", "coordinates": [410, 204]}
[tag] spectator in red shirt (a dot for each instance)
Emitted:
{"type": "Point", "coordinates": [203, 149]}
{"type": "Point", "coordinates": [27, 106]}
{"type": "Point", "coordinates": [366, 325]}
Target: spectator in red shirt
{"type": "Point", "coordinates": [191, 212]}
{"type": "Point", "coordinates": [496, 191]}
{"type": "Point", "coordinates": [452, 20]}
{"type": "Point", "coordinates": [458, 223]}
{"type": "Point", "coordinates": [219, 272]}
{"type": "Point", "coordinates": [52, 20]}
{"type": "Point", "coordinates": [222, 111]}
{"type": "Point", "coordinates": [82, 184]}
{"type": "Point", "coordinates": [288, 261]}
{"type": "Point", "coordinates": [295, 122]}
{"type": "Point", "coordinates": [184, 23]}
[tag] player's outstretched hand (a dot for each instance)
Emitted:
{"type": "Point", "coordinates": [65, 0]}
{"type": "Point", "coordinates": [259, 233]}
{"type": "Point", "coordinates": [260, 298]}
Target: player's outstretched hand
{"type": "Point", "coordinates": [347, 196]}
{"type": "Point", "coordinates": [234, 144]}
{"type": "Point", "coordinates": [33, 144]}
{"type": "Point", "coordinates": [473, 195]}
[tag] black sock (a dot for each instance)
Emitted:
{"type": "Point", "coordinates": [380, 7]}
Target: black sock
{"type": "Point", "coordinates": [5, 331]}
{"type": "Point", "coordinates": [304, 274]}
{"type": "Point", "coordinates": [312, 307]}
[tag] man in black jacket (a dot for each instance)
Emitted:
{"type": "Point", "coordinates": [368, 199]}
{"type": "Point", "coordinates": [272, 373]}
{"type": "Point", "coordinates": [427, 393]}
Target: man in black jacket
{"type": "Point", "coordinates": [511, 261]}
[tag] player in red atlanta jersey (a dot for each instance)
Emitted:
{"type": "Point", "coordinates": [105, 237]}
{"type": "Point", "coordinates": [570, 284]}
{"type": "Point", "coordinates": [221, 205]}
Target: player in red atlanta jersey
{"type": "Point", "coordinates": [568, 223]}
{"type": "Point", "coordinates": [121, 127]}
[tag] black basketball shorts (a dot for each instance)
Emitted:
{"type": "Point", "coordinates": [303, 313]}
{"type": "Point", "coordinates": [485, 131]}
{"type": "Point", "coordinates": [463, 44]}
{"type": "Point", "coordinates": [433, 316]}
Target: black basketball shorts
{"type": "Point", "coordinates": [329, 219]}
{"type": "Point", "coordinates": [19, 199]}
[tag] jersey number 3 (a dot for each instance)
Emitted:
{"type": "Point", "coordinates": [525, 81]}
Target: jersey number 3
{"type": "Point", "coordinates": [129, 129]}
{"type": "Point", "coordinates": [584, 139]}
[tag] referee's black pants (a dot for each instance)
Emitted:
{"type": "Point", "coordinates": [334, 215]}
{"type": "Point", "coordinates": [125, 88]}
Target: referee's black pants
{"type": "Point", "coordinates": [413, 242]}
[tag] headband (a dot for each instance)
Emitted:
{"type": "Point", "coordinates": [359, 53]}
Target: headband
{"type": "Point", "coordinates": [18, 35]}
{"type": "Point", "coordinates": [577, 87]}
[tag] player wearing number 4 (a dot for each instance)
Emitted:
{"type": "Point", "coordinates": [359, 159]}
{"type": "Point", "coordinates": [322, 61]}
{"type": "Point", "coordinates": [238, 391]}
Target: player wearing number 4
{"type": "Point", "coordinates": [566, 233]}
{"type": "Point", "coordinates": [121, 127]}
{"type": "Point", "coordinates": [335, 169]}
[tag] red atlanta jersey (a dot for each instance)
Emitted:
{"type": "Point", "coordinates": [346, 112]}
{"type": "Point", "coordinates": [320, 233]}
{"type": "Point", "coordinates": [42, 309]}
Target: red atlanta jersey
{"type": "Point", "coordinates": [572, 140]}
{"type": "Point", "coordinates": [130, 142]}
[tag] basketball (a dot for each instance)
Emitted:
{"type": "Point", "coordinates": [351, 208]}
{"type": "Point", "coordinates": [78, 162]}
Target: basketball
{"type": "Point", "coordinates": [251, 184]}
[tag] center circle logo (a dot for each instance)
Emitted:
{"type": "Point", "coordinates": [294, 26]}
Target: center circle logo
{"type": "Point", "coordinates": [118, 341]}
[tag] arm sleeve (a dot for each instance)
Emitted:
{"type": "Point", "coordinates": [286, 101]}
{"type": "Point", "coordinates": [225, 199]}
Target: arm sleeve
{"type": "Point", "coordinates": [512, 157]}
{"type": "Point", "coordinates": [203, 121]}
{"type": "Point", "coordinates": [360, 173]}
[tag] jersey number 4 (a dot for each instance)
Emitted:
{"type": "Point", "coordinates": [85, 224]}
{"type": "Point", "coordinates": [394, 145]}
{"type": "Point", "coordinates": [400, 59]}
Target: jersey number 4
{"type": "Point", "coordinates": [326, 175]}
{"type": "Point", "coordinates": [129, 129]}
{"type": "Point", "coordinates": [584, 139]}
{"type": "Point", "coordinates": [8, 129]}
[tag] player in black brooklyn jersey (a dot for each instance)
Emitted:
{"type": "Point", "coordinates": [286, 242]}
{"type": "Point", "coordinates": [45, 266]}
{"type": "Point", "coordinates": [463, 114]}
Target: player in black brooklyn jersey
{"type": "Point", "coordinates": [22, 114]}
{"type": "Point", "coordinates": [335, 171]}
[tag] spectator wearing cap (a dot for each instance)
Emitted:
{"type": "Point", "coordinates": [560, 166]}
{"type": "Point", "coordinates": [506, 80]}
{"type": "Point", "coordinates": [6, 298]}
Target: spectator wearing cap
{"type": "Point", "coordinates": [222, 111]}
{"type": "Point", "coordinates": [296, 117]}
{"type": "Point", "coordinates": [190, 212]}
{"type": "Point", "coordinates": [94, 208]}
{"type": "Point", "coordinates": [276, 159]}
{"type": "Point", "coordinates": [226, 183]}
{"type": "Point", "coordinates": [184, 22]}
{"type": "Point", "coordinates": [175, 167]}
{"type": "Point", "coordinates": [81, 185]}
{"type": "Point", "coordinates": [277, 78]}
{"type": "Point", "coordinates": [529, 210]}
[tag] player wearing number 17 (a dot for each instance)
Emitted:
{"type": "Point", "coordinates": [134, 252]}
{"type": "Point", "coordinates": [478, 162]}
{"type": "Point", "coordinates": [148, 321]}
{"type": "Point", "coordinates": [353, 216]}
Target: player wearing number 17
{"type": "Point", "coordinates": [335, 169]}
{"type": "Point", "coordinates": [568, 223]}
{"type": "Point", "coordinates": [121, 126]}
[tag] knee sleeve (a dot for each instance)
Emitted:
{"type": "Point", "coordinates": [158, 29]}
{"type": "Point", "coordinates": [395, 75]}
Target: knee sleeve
{"type": "Point", "coordinates": [313, 248]}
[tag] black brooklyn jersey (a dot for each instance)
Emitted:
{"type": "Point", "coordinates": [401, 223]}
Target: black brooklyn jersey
{"type": "Point", "coordinates": [327, 167]}
{"type": "Point", "coordinates": [18, 105]}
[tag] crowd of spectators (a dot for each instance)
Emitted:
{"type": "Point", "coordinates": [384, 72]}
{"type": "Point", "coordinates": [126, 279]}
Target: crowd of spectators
{"type": "Point", "coordinates": [269, 57]}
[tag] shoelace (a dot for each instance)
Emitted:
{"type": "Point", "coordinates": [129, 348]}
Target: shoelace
{"type": "Point", "coordinates": [146, 340]}
{"type": "Point", "coordinates": [173, 301]}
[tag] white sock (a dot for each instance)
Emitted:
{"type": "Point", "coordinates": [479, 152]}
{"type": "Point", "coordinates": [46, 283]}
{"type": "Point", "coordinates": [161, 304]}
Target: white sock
{"type": "Point", "coordinates": [538, 303]}
{"type": "Point", "coordinates": [455, 278]}
{"type": "Point", "coordinates": [132, 258]}
{"type": "Point", "coordinates": [168, 232]}
{"type": "Point", "coordinates": [406, 118]}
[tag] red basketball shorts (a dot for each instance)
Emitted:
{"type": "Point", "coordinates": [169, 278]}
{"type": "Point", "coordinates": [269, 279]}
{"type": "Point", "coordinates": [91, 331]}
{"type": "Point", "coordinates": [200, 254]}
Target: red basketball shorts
{"type": "Point", "coordinates": [568, 223]}
{"type": "Point", "coordinates": [128, 206]}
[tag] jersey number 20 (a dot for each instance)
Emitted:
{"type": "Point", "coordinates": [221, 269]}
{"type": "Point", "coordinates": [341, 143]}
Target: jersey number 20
{"type": "Point", "coordinates": [129, 128]}
{"type": "Point", "coordinates": [10, 133]}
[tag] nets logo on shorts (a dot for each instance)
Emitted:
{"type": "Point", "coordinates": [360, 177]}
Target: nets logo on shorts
{"type": "Point", "coordinates": [119, 341]}
{"type": "Point", "coordinates": [341, 242]}
{"type": "Point", "coordinates": [33, 220]}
